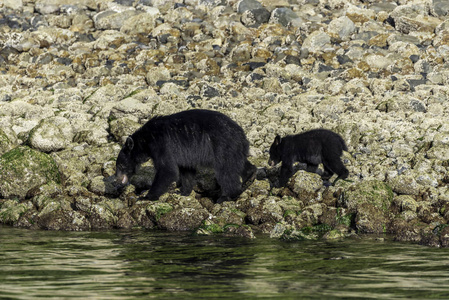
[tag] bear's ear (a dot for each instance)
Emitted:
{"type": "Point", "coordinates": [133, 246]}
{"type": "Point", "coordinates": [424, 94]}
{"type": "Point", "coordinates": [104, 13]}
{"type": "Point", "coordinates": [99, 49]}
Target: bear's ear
{"type": "Point", "coordinates": [129, 144]}
{"type": "Point", "coordinates": [277, 140]}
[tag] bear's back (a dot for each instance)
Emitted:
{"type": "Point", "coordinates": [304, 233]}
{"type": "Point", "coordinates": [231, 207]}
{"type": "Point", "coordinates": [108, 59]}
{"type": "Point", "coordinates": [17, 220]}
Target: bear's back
{"type": "Point", "coordinates": [194, 126]}
{"type": "Point", "coordinates": [325, 137]}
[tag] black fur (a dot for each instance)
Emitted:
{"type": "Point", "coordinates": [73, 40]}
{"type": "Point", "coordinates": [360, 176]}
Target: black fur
{"type": "Point", "coordinates": [180, 143]}
{"type": "Point", "coordinates": [311, 147]}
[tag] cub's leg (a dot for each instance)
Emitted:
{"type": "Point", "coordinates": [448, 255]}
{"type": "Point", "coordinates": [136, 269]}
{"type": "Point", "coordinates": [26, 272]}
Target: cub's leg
{"type": "Point", "coordinates": [286, 173]}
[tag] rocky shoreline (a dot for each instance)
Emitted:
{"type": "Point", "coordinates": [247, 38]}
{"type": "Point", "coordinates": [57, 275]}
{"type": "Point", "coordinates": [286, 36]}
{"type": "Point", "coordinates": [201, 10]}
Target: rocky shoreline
{"type": "Point", "coordinates": [76, 77]}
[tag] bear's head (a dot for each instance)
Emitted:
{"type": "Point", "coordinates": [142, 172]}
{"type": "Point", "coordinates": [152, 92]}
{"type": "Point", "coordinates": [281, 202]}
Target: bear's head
{"type": "Point", "coordinates": [126, 163]}
{"type": "Point", "coordinates": [275, 152]}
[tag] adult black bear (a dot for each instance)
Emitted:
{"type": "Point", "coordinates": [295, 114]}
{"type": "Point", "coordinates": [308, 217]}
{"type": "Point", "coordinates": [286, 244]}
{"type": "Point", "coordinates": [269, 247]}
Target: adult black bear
{"type": "Point", "coordinates": [311, 147]}
{"type": "Point", "coordinates": [180, 143]}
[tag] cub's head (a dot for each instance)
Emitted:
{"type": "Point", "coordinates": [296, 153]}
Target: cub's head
{"type": "Point", "coordinates": [126, 163]}
{"type": "Point", "coordinates": [275, 152]}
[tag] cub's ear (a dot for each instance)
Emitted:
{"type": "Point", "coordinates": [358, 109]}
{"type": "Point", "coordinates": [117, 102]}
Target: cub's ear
{"type": "Point", "coordinates": [129, 144]}
{"type": "Point", "coordinates": [277, 140]}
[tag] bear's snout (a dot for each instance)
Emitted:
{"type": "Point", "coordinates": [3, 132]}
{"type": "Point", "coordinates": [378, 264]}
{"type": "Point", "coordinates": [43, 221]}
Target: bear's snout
{"type": "Point", "coordinates": [124, 179]}
{"type": "Point", "coordinates": [121, 178]}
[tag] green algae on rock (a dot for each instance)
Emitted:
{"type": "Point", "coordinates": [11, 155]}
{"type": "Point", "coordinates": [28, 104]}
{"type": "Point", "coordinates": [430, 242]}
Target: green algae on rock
{"type": "Point", "coordinates": [23, 169]}
{"type": "Point", "coordinates": [5, 142]}
{"type": "Point", "coordinates": [371, 200]}
{"type": "Point", "coordinates": [12, 210]}
{"type": "Point", "coordinates": [377, 193]}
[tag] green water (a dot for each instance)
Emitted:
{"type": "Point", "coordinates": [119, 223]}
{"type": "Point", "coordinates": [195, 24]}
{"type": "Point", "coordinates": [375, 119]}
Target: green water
{"type": "Point", "coordinates": [161, 265]}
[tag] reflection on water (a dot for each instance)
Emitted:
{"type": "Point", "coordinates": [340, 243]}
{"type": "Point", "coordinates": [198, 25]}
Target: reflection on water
{"type": "Point", "coordinates": [148, 264]}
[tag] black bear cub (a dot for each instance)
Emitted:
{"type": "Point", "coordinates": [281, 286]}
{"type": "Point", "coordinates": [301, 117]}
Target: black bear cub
{"type": "Point", "coordinates": [180, 143]}
{"type": "Point", "coordinates": [311, 147]}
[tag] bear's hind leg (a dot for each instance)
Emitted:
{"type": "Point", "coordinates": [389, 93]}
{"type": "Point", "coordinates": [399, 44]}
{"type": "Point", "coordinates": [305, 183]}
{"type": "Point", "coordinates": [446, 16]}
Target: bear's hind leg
{"type": "Point", "coordinates": [335, 165]}
{"type": "Point", "coordinates": [327, 174]}
{"type": "Point", "coordinates": [187, 178]}
{"type": "Point", "coordinates": [312, 168]}
{"type": "Point", "coordinates": [162, 180]}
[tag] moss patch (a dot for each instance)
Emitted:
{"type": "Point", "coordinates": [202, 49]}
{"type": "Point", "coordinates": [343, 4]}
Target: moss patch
{"type": "Point", "coordinates": [157, 209]}
{"type": "Point", "coordinates": [11, 211]}
{"type": "Point", "coordinates": [23, 169]}
{"type": "Point", "coordinates": [377, 193]}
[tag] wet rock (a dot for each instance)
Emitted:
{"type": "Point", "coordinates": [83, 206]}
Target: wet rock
{"type": "Point", "coordinates": [240, 231]}
{"type": "Point", "coordinates": [105, 213]}
{"type": "Point", "coordinates": [63, 220]}
{"type": "Point", "coordinates": [139, 214]}
{"type": "Point", "coordinates": [287, 232]}
{"type": "Point", "coordinates": [305, 186]}
{"type": "Point", "coordinates": [182, 219]}
{"type": "Point", "coordinates": [125, 220]}
{"type": "Point", "coordinates": [12, 210]}
{"type": "Point", "coordinates": [336, 234]}
{"type": "Point", "coordinates": [412, 231]}
{"type": "Point", "coordinates": [7, 141]}
{"type": "Point", "coordinates": [209, 228]}
{"type": "Point", "coordinates": [279, 230]}
{"type": "Point", "coordinates": [23, 169]}
{"type": "Point", "coordinates": [406, 203]}
{"type": "Point", "coordinates": [404, 184]}
{"type": "Point", "coordinates": [370, 220]}
{"type": "Point", "coordinates": [374, 192]}
{"type": "Point", "coordinates": [444, 237]}
{"type": "Point", "coordinates": [264, 210]}
{"type": "Point", "coordinates": [290, 206]}
{"type": "Point", "coordinates": [371, 200]}
{"type": "Point", "coordinates": [103, 186]}
{"type": "Point", "coordinates": [55, 213]}
{"type": "Point", "coordinates": [155, 210]}
{"type": "Point", "coordinates": [258, 187]}
{"type": "Point", "coordinates": [227, 214]}
{"type": "Point", "coordinates": [310, 215]}
{"type": "Point", "coordinates": [48, 205]}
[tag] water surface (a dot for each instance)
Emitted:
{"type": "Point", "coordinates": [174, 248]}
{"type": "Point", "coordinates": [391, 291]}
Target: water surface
{"type": "Point", "coordinates": [161, 265]}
